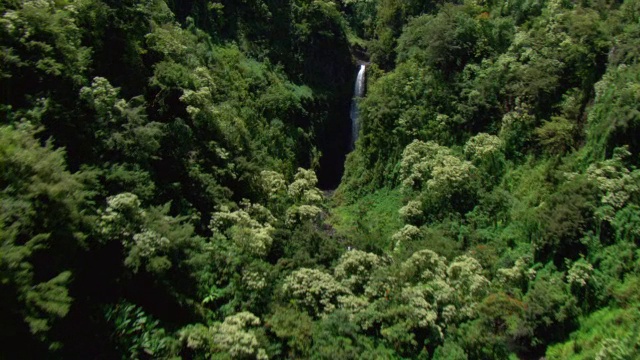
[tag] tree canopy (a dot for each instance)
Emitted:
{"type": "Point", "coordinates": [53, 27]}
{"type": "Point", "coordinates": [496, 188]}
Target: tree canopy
{"type": "Point", "coordinates": [177, 179]}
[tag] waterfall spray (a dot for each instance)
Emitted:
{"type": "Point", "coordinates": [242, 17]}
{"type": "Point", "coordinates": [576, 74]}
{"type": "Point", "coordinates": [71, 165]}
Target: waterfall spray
{"type": "Point", "coordinates": [358, 92]}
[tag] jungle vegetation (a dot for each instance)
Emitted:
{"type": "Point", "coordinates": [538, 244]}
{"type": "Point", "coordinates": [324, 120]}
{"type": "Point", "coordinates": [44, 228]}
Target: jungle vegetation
{"type": "Point", "coordinates": [164, 167]}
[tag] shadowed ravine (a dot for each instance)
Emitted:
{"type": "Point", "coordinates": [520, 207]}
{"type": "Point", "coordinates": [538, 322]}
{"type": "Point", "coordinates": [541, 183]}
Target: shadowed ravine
{"type": "Point", "coordinates": [339, 137]}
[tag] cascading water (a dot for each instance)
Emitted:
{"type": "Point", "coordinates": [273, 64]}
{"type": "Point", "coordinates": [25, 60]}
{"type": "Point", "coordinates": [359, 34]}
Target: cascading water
{"type": "Point", "coordinates": [358, 92]}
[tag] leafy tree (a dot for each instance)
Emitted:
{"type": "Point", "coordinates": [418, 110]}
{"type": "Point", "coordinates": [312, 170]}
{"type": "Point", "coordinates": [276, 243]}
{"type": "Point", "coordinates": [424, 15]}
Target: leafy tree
{"type": "Point", "coordinates": [550, 312]}
{"type": "Point", "coordinates": [43, 227]}
{"type": "Point", "coordinates": [234, 338]}
{"type": "Point", "coordinates": [450, 350]}
{"type": "Point", "coordinates": [486, 153]}
{"type": "Point", "coordinates": [495, 333]}
{"type": "Point", "coordinates": [293, 326]}
{"type": "Point", "coordinates": [313, 290]}
{"type": "Point", "coordinates": [249, 229]}
{"type": "Point", "coordinates": [121, 126]}
{"type": "Point", "coordinates": [567, 217]}
{"type": "Point", "coordinates": [615, 181]}
{"type": "Point", "coordinates": [556, 135]}
{"type": "Point", "coordinates": [626, 223]}
{"type": "Point", "coordinates": [137, 335]}
{"type": "Point", "coordinates": [445, 41]}
{"type": "Point", "coordinates": [445, 181]}
{"type": "Point", "coordinates": [354, 269]}
{"type": "Point", "coordinates": [306, 197]}
{"type": "Point", "coordinates": [337, 336]}
{"type": "Point", "coordinates": [43, 40]}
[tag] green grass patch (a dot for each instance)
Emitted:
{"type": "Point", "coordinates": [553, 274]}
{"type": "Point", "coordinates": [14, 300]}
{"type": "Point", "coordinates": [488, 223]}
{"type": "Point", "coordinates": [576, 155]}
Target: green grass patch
{"type": "Point", "coordinates": [609, 333]}
{"type": "Point", "coordinates": [369, 223]}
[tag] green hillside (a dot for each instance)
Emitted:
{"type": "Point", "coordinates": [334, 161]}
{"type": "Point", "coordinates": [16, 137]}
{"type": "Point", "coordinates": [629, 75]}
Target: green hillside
{"type": "Point", "coordinates": [177, 180]}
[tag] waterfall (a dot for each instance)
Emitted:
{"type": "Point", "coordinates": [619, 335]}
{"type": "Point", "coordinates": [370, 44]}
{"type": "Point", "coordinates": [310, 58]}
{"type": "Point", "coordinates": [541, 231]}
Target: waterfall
{"type": "Point", "coordinates": [358, 92]}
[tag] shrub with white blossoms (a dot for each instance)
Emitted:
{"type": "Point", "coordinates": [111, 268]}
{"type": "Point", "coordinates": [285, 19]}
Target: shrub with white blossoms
{"type": "Point", "coordinates": [423, 293]}
{"type": "Point", "coordinates": [233, 337]}
{"type": "Point", "coordinates": [436, 171]}
{"type": "Point", "coordinates": [355, 268]}
{"type": "Point", "coordinates": [254, 280]}
{"type": "Point", "coordinates": [313, 290]}
{"type": "Point", "coordinates": [406, 234]}
{"type": "Point", "coordinates": [456, 288]}
{"type": "Point", "coordinates": [617, 184]}
{"type": "Point", "coordinates": [124, 220]}
{"type": "Point", "coordinates": [149, 242]}
{"type": "Point", "coordinates": [411, 213]}
{"type": "Point", "coordinates": [579, 273]}
{"type": "Point", "coordinates": [303, 188]}
{"type": "Point", "coordinates": [517, 276]}
{"type": "Point", "coordinates": [424, 265]}
{"type": "Point", "coordinates": [148, 247]}
{"type": "Point", "coordinates": [298, 214]}
{"type": "Point", "coordinates": [414, 312]}
{"type": "Point", "coordinates": [273, 184]}
{"type": "Point", "coordinates": [249, 228]}
{"type": "Point", "coordinates": [482, 146]}
{"type": "Point", "coordinates": [418, 161]}
{"type": "Point", "coordinates": [464, 275]}
{"type": "Point", "coordinates": [306, 197]}
{"type": "Point", "coordinates": [123, 216]}
{"type": "Point", "coordinates": [450, 174]}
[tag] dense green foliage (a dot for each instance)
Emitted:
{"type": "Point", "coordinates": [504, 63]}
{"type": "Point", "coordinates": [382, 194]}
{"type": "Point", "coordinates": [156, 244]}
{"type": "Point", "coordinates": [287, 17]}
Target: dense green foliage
{"type": "Point", "coordinates": [510, 131]}
{"type": "Point", "coordinates": [159, 195]}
